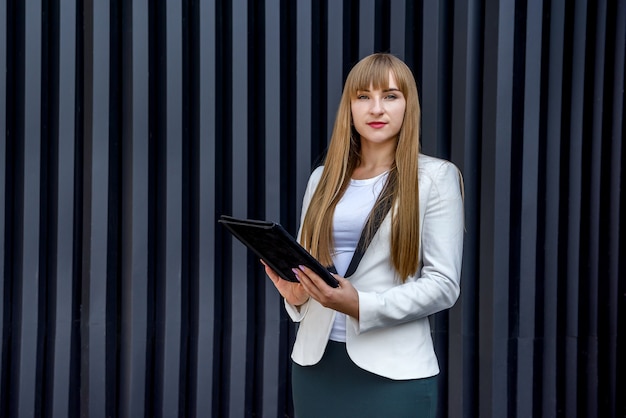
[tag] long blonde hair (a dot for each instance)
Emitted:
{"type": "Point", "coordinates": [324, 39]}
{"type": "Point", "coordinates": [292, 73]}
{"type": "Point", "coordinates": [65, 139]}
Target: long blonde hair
{"type": "Point", "coordinates": [343, 157]}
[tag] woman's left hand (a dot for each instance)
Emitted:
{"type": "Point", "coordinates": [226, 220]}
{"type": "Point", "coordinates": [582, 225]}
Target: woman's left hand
{"type": "Point", "coordinates": [343, 299]}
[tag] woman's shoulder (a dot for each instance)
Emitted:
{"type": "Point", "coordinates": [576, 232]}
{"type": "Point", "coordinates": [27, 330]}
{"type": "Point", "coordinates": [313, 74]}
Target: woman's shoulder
{"type": "Point", "coordinates": [437, 170]}
{"type": "Point", "coordinates": [435, 167]}
{"type": "Point", "coordinates": [314, 177]}
{"type": "Point", "coordinates": [317, 172]}
{"type": "Point", "coordinates": [430, 163]}
{"type": "Point", "coordinates": [440, 173]}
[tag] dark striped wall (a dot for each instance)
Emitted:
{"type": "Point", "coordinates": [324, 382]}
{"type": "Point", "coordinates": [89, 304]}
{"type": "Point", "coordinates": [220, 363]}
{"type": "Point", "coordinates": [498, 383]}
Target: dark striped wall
{"type": "Point", "coordinates": [128, 127]}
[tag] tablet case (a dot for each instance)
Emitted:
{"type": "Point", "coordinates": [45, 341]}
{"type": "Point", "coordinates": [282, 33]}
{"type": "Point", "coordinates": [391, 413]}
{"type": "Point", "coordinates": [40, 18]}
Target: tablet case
{"type": "Point", "coordinates": [276, 247]}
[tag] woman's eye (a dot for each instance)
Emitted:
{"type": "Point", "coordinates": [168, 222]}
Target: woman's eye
{"type": "Point", "coordinates": [361, 97]}
{"type": "Point", "coordinates": [391, 97]}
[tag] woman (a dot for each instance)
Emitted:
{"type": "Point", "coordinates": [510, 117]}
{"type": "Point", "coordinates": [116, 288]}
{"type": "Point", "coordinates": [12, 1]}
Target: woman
{"type": "Point", "coordinates": [364, 348]}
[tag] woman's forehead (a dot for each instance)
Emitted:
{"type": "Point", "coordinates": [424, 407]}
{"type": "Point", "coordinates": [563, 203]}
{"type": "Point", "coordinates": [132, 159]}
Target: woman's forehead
{"type": "Point", "coordinates": [376, 81]}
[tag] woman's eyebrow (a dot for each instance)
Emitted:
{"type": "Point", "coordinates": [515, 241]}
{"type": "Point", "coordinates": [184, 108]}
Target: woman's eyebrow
{"type": "Point", "coordinates": [385, 90]}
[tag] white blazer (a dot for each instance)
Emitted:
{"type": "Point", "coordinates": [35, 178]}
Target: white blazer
{"type": "Point", "coordinates": [392, 337]}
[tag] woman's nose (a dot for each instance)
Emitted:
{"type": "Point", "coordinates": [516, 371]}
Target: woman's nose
{"type": "Point", "coordinates": [377, 107]}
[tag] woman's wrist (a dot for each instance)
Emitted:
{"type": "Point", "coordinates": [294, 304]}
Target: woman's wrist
{"type": "Point", "coordinates": [301, 304]}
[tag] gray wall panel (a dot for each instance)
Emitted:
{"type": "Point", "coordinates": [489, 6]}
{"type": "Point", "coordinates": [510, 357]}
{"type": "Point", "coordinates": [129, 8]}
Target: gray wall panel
{"type": "Point", "coordinates": [172, 285]}
{"type": "Point", "coordinates": [548, 292]}
{"type": "Point", "coordinates": [129, 127]}
{"type": "Point", "coordinates": [65, 273]}
{"type": "Point", "coordinates": [32, 274]}
{"type": "Point", "coordinates": [303, 100]}
{"type": "Point", "coordinates": [135, 150]}
{"type": "Point", "coordinates": [95, 402]}
{"type": "Point", "coordinates": [494, 309]}
{"type": "Point", "coordinates": [397, 23]}
{"type": "Point", "coordinates": [367, 25]}
{"type": "Point", "coordinates": [206, 344]}
{"type": "Point", "coordinates": [334, 74]}
{"type": "Point", "coordinates": [240, 292]}
{"type": "Point", "coordinates": [527, 208]}
{"type": "Point", "coordinates": [433, 78]}
{"type": "Point", "coordinates": [574, 163]}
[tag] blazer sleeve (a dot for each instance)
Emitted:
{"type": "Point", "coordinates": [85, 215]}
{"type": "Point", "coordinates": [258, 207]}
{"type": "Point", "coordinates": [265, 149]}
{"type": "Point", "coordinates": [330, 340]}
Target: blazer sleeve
{"type": "Point", "coordinates": [438, 285]}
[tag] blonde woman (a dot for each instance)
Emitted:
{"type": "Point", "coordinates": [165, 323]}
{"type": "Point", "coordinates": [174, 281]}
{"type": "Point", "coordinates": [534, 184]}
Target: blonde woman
{"type": "Point", "coordinates": [394, 218]}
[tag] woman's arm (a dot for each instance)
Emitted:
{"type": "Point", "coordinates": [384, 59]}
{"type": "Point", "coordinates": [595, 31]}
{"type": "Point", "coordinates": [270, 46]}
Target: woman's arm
{"type": "Point", "coordinates": [438, 286]}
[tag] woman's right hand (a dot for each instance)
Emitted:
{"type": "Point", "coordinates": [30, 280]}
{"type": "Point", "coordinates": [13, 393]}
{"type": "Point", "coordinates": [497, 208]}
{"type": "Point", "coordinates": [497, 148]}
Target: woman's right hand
{"type": "Point", "coordinates": [293, 292]}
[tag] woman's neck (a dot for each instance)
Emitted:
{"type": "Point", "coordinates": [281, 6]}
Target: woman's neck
{"type": "Point", "coordinates": [374, 162]}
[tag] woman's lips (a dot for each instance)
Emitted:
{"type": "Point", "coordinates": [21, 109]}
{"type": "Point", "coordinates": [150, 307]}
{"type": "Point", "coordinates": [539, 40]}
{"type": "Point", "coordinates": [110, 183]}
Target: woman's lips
{"type": "Point", "coordinates": [377, 125]}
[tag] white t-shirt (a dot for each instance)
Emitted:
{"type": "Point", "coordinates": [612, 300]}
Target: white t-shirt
{"type": "Point", "coordinates": [350, 216]}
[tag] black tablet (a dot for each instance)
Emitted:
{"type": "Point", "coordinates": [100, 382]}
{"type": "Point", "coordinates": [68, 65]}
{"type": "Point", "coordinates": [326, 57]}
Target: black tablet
{"type": "Point", "coordinates": [276, 247]}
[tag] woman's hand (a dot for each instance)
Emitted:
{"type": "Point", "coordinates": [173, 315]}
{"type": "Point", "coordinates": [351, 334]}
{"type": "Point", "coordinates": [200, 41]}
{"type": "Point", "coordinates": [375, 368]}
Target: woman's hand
{"type": "Point", "coordinates": [343, 299]}
{"type": "Point", "coordinates": [293, 293]}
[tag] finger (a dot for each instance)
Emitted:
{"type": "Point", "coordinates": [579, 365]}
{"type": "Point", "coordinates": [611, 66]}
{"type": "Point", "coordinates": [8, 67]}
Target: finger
{"type": "Point", "coordinates": [306, 282]}
{"type": "Point", "coordinates": [314, 278]}
{"type": "Point", "coordinates": [315, 286]}
{"type": "Point", "coordinates": [341, 280]}
{"type": "Point", "coordinates": [301, 276]}
{"type": "Point", "coordinates": [270, 273]}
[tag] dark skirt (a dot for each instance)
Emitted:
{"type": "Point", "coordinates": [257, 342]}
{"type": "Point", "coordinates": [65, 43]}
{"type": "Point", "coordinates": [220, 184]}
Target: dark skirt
{"type": "Point", "coordinates": [336, 387]}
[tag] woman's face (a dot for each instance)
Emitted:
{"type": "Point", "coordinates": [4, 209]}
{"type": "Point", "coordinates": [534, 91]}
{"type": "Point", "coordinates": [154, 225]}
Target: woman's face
{"type": "Point", "coordinates": [378, 114]}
